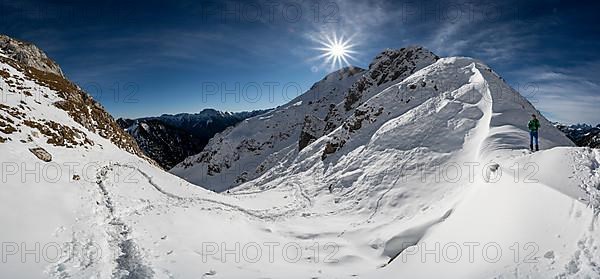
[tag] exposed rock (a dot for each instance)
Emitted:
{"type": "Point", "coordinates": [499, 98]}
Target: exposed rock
{"type": "Point", "coordinates": [6, 126]}
{"type": "Point", "coordinates": [60, 135]}
{"type": "Point", "coordinates": [41, 153]}
{"type": "Point", "coordinates": [310, 131]}
{"type": "Point", "coordinates": [28, 54]}
{"type": "Point", "coordinates": [391, 65]}
{"type": "Point", "coordinates": [330, 148]}
{"type": "Point", "coordinates": [591, 140]}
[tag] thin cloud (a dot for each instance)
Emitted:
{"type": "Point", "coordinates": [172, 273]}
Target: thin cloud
{"type": "Point", "coordinates": [566, 94]}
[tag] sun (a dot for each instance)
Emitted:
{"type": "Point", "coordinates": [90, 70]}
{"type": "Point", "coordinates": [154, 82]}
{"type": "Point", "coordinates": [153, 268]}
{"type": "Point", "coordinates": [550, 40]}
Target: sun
{"type": "Point", "coordinates": [336, 51]}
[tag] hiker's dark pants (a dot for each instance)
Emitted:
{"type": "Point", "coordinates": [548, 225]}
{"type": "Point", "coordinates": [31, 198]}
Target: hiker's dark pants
{"type": "Point", "coordinates": [533, 135]}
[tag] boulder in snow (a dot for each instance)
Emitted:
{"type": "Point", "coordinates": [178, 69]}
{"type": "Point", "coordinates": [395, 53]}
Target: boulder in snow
{"type": "Point", "coordinates": [41, 153]}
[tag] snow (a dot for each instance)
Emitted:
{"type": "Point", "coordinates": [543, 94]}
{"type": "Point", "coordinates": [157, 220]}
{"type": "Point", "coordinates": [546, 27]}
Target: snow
{"type": "Point", "coordinates": [449, 167]}
{"type": "Point", "coordinates": [524, 220]}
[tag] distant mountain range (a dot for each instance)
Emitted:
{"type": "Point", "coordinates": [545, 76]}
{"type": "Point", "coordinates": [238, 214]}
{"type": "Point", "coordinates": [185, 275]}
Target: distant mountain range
{"type": "Point", "coordinates": [169, 139]}
{"type": "Point", "coordinates": [582, 134]}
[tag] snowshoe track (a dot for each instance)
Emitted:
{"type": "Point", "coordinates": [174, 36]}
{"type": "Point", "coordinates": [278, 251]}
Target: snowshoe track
{"type": "Point", "coordinates": [129, 263]}
{"type": "Point", "coordinates": [259, 214]}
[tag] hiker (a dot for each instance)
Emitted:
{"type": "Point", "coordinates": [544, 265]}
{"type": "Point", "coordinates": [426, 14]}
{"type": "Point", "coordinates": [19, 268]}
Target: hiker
{"type": "Point", "coordinates": [534, 126]}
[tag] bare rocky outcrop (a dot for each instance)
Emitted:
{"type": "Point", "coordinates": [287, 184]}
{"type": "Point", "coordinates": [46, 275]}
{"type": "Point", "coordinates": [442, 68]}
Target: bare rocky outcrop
{"type": "Point", "coordinates": [310, 131]}
{"type": "Point", "coordinates": [41, 153]}
{"type": "Point", "coordinates": [29, 55]}
{"type": "Point", "coordinates": [60, 135]}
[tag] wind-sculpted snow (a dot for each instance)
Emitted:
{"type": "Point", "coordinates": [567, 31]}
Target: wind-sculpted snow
{"type": "Point", "coordinates": [432, 166]}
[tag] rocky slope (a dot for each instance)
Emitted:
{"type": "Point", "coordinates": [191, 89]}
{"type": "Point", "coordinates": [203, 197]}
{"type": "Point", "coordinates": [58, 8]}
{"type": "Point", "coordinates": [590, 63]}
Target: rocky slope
{"type": "Point", "coordinates": [169, 139]}
{"type": "Point", "coordinates": [25, 69]}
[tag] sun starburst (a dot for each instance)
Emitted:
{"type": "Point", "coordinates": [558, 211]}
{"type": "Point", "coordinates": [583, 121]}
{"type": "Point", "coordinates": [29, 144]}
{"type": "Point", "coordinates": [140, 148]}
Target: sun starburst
{"type": "Point", "coordinates": [337, 52]}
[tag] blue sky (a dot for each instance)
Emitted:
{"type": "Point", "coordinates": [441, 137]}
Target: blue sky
{"type": "Point", "coordinates": [154, 57]}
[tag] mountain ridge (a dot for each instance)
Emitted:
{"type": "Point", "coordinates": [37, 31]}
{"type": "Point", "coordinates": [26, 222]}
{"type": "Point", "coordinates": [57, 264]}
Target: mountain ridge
{"type": "Point", "coordinates": [582, 134]}
{"type": "Point", "coordinates": [168, 139]}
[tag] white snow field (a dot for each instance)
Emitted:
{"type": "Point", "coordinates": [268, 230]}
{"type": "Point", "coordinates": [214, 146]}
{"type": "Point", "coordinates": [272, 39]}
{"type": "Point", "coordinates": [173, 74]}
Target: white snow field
{"type": "Point", "coordinates": [430, 177]}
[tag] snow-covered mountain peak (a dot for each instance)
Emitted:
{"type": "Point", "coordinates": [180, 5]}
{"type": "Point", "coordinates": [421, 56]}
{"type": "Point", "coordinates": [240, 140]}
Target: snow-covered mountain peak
{"type": "Point", "coordinates": [454, 83]}
{"type": "Point", "coordinates": [258, 143]}
{"type": "Point", "coordinates": [204, 114]}
{"type": "Point", "coordinates": [391, 65]}
{"type": "Point", "coordinates": [413, 53]}
{"type": "Point", "coordinates": [343, 73]}
{"type": "Point", "coordinates": [582, 134]}
{"type": "Point", "coordinates": [248, 150]}
{"type": "Point", "coordinates": [28, 54]}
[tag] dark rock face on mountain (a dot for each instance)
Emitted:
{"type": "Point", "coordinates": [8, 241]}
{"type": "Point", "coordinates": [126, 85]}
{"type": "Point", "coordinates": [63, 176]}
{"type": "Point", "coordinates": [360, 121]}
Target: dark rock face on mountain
{"type": "Point", "coordinates": [582, 134]}
{"type": "Point", "coordinates": [591, 140]}
{"type": "Point", "coordinates": [169, 139]}
{"type": "Point", "coordinates": [162, 142]}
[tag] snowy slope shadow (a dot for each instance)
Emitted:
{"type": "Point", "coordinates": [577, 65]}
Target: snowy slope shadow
{"type": "Point", "coordinates": [410, 237]}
